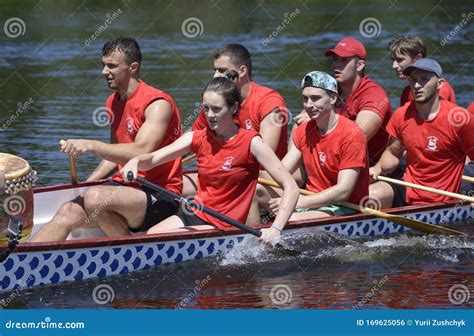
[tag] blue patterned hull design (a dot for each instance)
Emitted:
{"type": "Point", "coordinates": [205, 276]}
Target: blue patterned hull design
{"type": "Point", "coordinates": [380, 226]}
{"type": "Point", "coordinates": [29, 269]}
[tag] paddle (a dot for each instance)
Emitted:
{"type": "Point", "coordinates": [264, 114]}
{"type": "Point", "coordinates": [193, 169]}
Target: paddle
{"type": "Point", "coordinates": [72, 167]}
{"type": "Point", "coordinates": [468, 178]}
{"type": "Point", "coordinates": [188, 158]}
{"type": "Point", "coordinates": [196, 206]}
{"type": "Point", "coordinates": [411, 223]}
{"type": "Point", "coordinates": [279, 248]}
{"type": "Point", "coordinates": [433, 190]}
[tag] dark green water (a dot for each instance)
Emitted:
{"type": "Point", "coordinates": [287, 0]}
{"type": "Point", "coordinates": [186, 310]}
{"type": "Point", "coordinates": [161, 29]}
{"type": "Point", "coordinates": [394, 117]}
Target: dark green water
{"type": "Point", "coordinates": [51, 83]}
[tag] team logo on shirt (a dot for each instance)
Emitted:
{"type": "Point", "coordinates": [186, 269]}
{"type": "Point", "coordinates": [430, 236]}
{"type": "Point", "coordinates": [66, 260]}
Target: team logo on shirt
{"type": "Point", "coordinates": [130, 130]}
{"type": "Point", "coordinates": [432, 143]}
{"type": "Point", "coordinates": [227, 165]}
{"type": "Point", "coordinates": [322, 158]}
{"type": "Point", "coordinates": [248, 124]}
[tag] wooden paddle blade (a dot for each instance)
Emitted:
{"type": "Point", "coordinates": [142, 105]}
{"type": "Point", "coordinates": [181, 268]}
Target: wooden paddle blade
{"type": "Point", "coordinates": [411, 223]}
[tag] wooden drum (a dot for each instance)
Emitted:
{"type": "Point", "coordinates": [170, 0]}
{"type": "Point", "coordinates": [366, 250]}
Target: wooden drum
{"type": "Point", "coordinates": [16, 194]}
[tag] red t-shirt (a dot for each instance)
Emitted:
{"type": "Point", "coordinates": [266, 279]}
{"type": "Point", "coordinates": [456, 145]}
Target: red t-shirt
{"type": "Point", "coordinates": [470, 108]}
{"type": "Point", "coordinates": [369, 95]}
{"type": "Point", "coordinates": [227, 174]}
{"type": "Point", "coordinates": [129, 116]}
{"type": "Point", "coordinates": [436, 149]}
{"type": "Point", "coordinates": [260, 103]}
{"type": "Point", "coordinates": [324, 156]}
{"type": "Point", "coordinates": [446, 92]}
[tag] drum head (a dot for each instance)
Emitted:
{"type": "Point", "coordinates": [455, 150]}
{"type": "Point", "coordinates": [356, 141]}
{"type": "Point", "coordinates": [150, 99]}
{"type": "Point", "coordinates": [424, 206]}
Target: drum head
{"type": "Point", "coordinates": [13, 166]}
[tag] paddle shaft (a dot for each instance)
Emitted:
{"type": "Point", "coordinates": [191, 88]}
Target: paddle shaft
{"type": "Point", "coordinates": [433, 190]}
{"type": "Point", "coordinates": [468, 178]}
{"type": "Point", "coordinates": [188, 158]}
{"type": "Point", "coordinates": [72, 167]}
{"type": "Point", "coordinates": [411, 223]}
{"type": "Point", "coordinates": [197, 206]}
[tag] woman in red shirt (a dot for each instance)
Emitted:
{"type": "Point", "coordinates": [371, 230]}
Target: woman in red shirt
{"type": "Point", "coordinates": [228, 159]}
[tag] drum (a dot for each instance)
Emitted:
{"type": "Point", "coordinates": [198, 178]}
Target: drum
{"type": "Point", "coordinates": [16, 194]}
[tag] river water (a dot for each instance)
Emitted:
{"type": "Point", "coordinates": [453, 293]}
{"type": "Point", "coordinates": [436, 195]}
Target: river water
{"type": "Point", "coordinates": [51, 85]}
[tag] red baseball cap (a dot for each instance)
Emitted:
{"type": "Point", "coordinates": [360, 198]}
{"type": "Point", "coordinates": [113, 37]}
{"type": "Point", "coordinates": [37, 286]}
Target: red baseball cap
{"type": "Point", "coordinates": [348, 47]}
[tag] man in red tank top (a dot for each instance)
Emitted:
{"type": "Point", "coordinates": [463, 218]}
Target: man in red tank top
{"type": "Point", "coordinates": [263, 109]}
{"type": "Point", "coordinates": [406, 50]}
{"type": "Point", "coordinates": [143, 119]}
{"type": "Point", "coordinates": [437, 137]}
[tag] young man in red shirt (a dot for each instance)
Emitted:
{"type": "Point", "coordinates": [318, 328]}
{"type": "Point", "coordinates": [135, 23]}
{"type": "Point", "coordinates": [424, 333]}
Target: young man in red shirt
{"type": "Point", "coordinates": [435, 141]}
{"type": "Point", "coordinates": [144, 119]}
{"type": "Point", "coordinates": [263, 109]}
{"type": "Point", "coordinates": [333, 150]}
{"type": "Point", "coordinates": [361, 99]}
{"type": "Point", "coordinates": [406, 50]}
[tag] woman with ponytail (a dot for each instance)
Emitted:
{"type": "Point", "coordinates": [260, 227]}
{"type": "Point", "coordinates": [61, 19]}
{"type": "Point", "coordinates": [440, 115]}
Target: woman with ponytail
{"type": "Point", "coordinates": [228, 159]}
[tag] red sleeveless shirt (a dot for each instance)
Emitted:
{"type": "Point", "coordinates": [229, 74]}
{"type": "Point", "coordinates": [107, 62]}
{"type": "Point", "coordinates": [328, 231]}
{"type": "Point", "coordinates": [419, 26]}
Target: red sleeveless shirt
{"type": "Point", "coordinates": [129, 116]}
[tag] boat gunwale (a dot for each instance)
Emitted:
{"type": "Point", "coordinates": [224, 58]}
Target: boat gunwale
{"type": "Point", "coordinates": [210, 233]}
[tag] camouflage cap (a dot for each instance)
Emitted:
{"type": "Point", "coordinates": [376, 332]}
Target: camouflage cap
{"type": "Point", "coordinates": [320, 80]}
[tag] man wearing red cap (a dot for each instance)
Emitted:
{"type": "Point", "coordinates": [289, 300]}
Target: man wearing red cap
{"type": "Point", "coordinates": [360, 99]}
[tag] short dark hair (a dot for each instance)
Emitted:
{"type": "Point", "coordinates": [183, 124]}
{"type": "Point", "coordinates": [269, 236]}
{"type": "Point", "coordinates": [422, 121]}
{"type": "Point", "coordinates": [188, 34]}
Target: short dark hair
{"type": "Point", "coordinates": [407, 44]}
{"type": "Point", "coordinates": [127, 45]}
{"type": "Point", "coordinates": [238, 54]}
{"type": "Point", "coordinates": [226, 88]}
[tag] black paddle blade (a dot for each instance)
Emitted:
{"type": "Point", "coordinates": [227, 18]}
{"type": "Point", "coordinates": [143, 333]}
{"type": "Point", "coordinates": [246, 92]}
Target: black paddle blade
{"type": "Point", "coordinates": [282, 251]}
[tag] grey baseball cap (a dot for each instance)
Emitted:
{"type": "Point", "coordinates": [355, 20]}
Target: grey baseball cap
{"type": "Point", "coordinates": [320, 80]}
{"type": "Point", "coordinates": [426, 64]}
